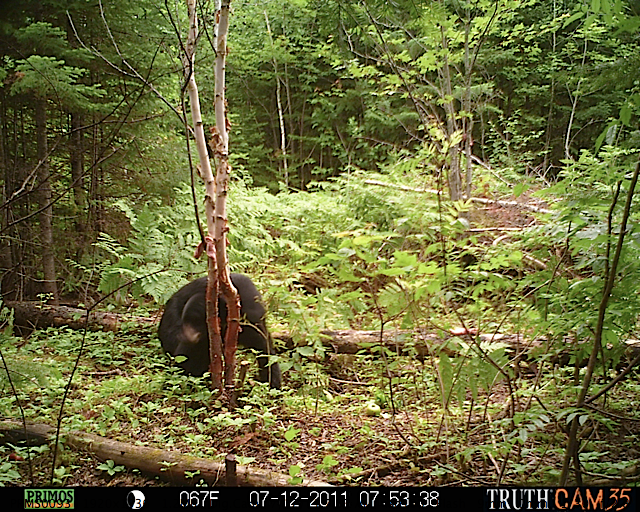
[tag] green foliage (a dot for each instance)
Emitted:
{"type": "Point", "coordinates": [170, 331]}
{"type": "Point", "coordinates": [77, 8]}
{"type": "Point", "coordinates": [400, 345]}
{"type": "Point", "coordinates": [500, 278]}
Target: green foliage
{"type": "Point", "coordinates": [295, 472]}
{"type": "Point", "coordinates": [296, 54]}
{"type": "Point", "coordinates": [290, 228]}
{"type": "Point", "coordinates": [551, 92]}
{"type": "Point", "coordinates": [327, 464]}
{"type": "Point", "coordinates": [6, 320]}
{"type": "Point", "coordinates": [46, 39]}
{"type": "Point", "coordinates": [560, 59]}
{"type": "Point", "coordinates": [21, 369]}
{"type": "Point", "coordinates": [8, 474]}
{"type": "Point", "coordinates": [476, 369]}
{"type": "Point", "coordinates": [46, 77]}
{"type": "Point", "coordinates": [157, 255]}
{"type": "Point", "coordinates": [588, 226]}
{"type": "Point", "coordinates": [44, 71]}
{"type": "Point", "coordinates": [110, 467]}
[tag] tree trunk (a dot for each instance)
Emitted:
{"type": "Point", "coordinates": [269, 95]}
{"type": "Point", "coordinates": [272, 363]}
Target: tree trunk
{"type": "Point", "coordinates": [216, 190]}
{"type": "Point", "coordinates": [467, 121]}
{"type": "Point", "coordinates": [76, 160]}
{"type": "Point", "coordinates": [283, 138]}
{"type": "Point", "coordinates": [546, 161]}
{"type": "Point", "coordinates": [45, 196]}
{"type": "Point", "coordinates": [188, 64]}
{"type": "Point", "coordinates": [454, 177]}
{"type": "Point", "coordinates": [16, 181]}
{"type": "Point", "coordinates": [223, 171]}
{"type": "Point", "coordinates": [7, 282]}
{"type": "Point", "coordinates": [574, 98]}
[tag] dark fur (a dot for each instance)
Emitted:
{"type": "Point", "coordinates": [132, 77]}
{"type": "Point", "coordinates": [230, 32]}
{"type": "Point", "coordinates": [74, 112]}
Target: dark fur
{"type": "Point", "coordinates": [183, 328]}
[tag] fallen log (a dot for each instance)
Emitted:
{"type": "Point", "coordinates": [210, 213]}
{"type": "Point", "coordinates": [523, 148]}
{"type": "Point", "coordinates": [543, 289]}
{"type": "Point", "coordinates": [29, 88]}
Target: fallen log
{"type": "Point", "coordinates": [168, 466]}
{"type": "Point", "coordinates": [348, 341]}
{"type": "Point", "coordinates": [35, 315]}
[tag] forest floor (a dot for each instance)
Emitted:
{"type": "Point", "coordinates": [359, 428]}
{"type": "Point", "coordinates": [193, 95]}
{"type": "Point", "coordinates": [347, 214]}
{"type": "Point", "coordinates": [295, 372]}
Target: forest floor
{"type": "Point", "coordinates": [325, 432]}
{"type": "Point", "coordinates": [386, 449]}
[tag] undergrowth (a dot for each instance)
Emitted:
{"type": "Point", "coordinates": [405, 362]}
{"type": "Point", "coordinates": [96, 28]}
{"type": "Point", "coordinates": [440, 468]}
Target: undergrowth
{"type": "Point", "coordinates": [474, 383]}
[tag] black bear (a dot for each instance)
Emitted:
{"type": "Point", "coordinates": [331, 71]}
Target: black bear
{"type": "Point", "coordinates": [183, 328]}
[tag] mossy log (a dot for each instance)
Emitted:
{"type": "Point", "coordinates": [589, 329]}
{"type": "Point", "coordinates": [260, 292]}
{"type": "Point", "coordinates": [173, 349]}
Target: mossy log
{"type": "Point", "coordinates": [168, 466]}
{"type": "Point", "coordinates": [35, 315]}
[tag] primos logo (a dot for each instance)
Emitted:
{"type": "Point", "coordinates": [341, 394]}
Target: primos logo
{"type": "Point", "coordinates": [49, 498]}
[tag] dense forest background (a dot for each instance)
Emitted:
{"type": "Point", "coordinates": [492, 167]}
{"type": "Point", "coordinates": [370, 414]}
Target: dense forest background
{"type": "Point", "coordinates": [462, 167]}
{"type": "Point", "coordinates": [317, 90]}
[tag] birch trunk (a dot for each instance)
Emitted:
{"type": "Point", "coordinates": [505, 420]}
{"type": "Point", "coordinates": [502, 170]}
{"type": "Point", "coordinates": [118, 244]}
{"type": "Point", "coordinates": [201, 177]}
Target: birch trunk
{"type": "Point", "coordinates": [283, 138]}
{"type": "Point", "coordinates": [223, 169]}
{"type": "Point", "coordinates": [215, 339]}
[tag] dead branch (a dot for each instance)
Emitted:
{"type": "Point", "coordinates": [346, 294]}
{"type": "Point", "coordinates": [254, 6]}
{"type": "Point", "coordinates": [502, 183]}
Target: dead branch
{"type": "Point", "coordinates": [481, 200]}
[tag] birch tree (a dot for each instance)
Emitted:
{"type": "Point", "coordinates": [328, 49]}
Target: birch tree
{"type": "Point", "coordinates": [216, 190]}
